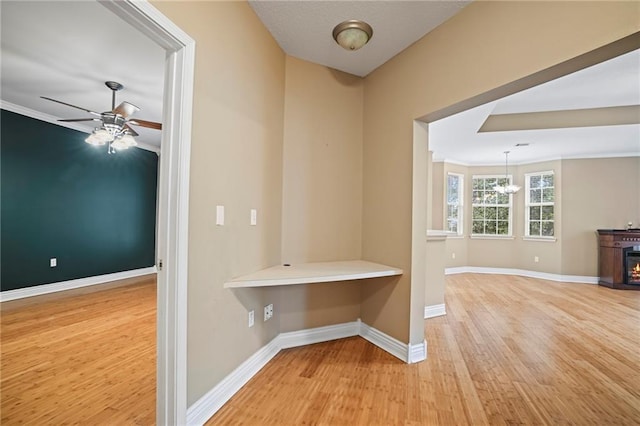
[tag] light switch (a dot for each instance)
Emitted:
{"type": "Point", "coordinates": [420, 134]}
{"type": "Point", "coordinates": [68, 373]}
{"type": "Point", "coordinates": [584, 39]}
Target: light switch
{"type": "Point", "coordinates": [219, 215]}
{"type": "Point", "coordinates": [53, 262]}
{"type": "Point", "coordinates": [254, 217]}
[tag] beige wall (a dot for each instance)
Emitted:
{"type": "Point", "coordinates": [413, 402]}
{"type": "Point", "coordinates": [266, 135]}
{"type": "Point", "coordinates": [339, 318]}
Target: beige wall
{"type": "Point", "coordinates": [322, 189]}
{"type": "Point", "coordinates": [598, 194]}
{"type": "Point", "coordinates": [590, 194]}
{"type": "Point", "coordinates": [236, 161]}
{"type": "Point", "coordinates": [242, 119]}
{"type": "Point", "coordinates": [486, 45]}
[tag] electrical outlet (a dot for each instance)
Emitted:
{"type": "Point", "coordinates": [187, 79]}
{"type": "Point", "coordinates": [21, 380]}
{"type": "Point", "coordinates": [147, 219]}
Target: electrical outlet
{"type": "Point", "coordinates": [251, 318]}
{"type": "Point", "coordinates": [268, 312]}
{"type": "Point", "coordinates": [536, 259]}
{"type": "Point", "coordinates": [453, 255]}
{"type": "Point", "coordinates": [253, 220]}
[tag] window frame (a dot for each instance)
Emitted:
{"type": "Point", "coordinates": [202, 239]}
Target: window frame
{"type": "Point", "coordinates": [509, 234]}
{"type": "Point", "coordinates": [460, 204]}
{"type": "Point", "coordinates": [528, 204]}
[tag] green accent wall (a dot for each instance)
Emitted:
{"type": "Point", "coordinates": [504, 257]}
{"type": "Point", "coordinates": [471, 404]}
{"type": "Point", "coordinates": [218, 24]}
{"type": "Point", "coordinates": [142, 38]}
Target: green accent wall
{"type": "Point", "coordinates": [62, 198]}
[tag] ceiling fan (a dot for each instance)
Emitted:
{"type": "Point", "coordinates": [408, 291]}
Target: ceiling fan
{"type": "Point", "coordinates": [115, 124]}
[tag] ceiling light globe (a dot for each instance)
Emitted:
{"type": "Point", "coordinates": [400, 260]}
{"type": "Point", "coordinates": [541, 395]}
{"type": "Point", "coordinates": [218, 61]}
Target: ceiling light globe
{"type": "Point", "coordinates": [98, 137]}
{"type": "Point", "coordinates": [353, 34]}
{"type": "Point", "coordinates": [128, 140]}
{"type": "Point", "coordinates": [119, 144]}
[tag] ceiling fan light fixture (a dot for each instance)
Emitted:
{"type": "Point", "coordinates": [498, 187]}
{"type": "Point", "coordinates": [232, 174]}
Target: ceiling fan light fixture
{"type": "Point", "coordinates": [124, 142]}
{"type": "Point", "coordinates": [352, 34]}
{"type": "Point", "coordinates": [98, 137]}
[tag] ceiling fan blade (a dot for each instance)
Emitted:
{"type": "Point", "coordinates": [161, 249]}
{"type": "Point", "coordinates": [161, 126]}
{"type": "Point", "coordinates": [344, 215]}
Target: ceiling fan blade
{"type": "Point", "coordinates": [80, 119]}
{"type": "Point", "coordinates": [145, 123]}
{"type": "Point", "coordinates": [72, 106]}
{"type": "Point", "coordinates": [131, 131]}
{"type": "Point", "coordinates": [126, 109]}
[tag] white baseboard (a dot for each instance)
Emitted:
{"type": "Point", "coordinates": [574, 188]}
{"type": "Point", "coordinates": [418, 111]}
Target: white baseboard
{"type": "Point", "coordinates": [38, 290]}
{"type": "Point", "coordinates": [434, 311]}
{"type": "Point", "coordinates": [522, 272]}
{"type": "Point", "coordinates": [205, 407]}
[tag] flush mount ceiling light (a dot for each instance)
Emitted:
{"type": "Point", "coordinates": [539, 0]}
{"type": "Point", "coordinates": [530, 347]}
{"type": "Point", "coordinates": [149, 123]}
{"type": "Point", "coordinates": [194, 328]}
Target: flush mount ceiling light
{"type": "Point", "coordinates": [352, 34]}
{"type": "Point", "coordinates": [508, 189]}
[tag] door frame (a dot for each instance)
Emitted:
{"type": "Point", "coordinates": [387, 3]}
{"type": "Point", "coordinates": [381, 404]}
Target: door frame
{"type": "Point", "coordinates": [173, 204]}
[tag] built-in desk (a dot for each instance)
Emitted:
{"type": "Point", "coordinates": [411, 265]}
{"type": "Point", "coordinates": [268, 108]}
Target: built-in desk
{"type": "Point", "coordinates": [317, 272]}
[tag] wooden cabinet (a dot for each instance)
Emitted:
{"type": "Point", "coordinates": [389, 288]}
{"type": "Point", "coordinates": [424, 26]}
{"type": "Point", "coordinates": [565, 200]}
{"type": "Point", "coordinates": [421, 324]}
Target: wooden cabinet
{"type": "Point", "coordinates": [611, 245]}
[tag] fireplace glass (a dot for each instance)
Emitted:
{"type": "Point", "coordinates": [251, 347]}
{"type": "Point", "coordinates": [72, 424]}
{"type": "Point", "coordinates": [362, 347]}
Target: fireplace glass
{"type": "Point", "coordinates": [632, 265]}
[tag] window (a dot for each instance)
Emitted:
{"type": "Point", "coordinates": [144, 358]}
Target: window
{"type": "Point", "coordinates": [491, 212]}
{"type": "Point", "coordinates": [455, 197]}
{"type": "Point", "coordinates": [539, 204]}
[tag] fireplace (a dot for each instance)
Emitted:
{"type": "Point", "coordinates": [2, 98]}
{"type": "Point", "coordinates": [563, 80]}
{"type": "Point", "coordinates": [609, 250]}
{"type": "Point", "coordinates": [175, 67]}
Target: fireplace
{"type": "Point", "coordinates": [619, 258]}
{"type": "Point", "coordinates": [632, 265]}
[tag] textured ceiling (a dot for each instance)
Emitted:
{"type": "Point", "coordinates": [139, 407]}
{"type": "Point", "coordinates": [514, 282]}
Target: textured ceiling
{"type": "Point", "coordinates": [304, 28]}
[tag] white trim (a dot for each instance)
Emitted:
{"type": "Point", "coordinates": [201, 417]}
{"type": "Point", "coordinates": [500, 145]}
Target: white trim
{"type": "Point", "coordinates": [522, 272]}
{"type": "Point", "coordinates": [32, 113]}
{"type": "Point", "coordinates": [205, 407]}
{"type": "Point", "coordinates": [173, 203]}
{"type": "Point", "coordinates": [384, 341]}
{"type": "Point", "coordinates": [310, 336]}
{"type": "Point", "coordinates": [39, 290]}
{"type": "Point", "coordinates": [540, 239]}
{"type": "Point", "coordinates": [434, 311]}
{"type": "Point", "coordinates": [490, 237]}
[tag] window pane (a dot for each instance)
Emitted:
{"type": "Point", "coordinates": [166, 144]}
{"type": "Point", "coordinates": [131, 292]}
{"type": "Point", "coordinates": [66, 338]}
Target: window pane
{"type": "Point", "coordinates": [503, 227]}
{"type": "Point", "coordinates": [490, 197]}
{"type": "Point", "coordinates": [503, 213]}
{"type": "Point", "coordinates": [547, 180]}
{"type": "Point", "coordinates": [490, 227]}
{"type": "Point", "coordinates": [547, 195]}
{"type": "Point", "coordinates": [534, 229]}
{"type": "Point", "coordinates": [503, 198]}
{"type": "Point", "coordinates": [535, 195]}
{"type": "Point", "coordinates": [478, 227]}
{"type": "Point", "coordinates": [502, 182]}
{"type": "Point", "coordinates": [547, 213]}
{"type": "Point", "coordinates": [490, 183]}
{"type": "Point", "coordinates": [547, 229]}
{"type": "Point", "coordinates": [477, 197]}
{"type": "Point", "coordinates": [478, 184]}
{"type": "Point", "coordinates": [535, 181]}
{"type": "Point", "coordinates": [534, 213]}
{"type": "Point", "coordinates": [452, 225]}
{"type": "Point", "coordinates": [491, 213]}
{"type": "Point", "coordinates": [478, 213]}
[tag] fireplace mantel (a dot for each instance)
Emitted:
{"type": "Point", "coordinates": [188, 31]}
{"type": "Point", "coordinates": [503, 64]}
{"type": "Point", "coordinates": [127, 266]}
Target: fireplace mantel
{"type": "Point", "coordinates": [611, 246]}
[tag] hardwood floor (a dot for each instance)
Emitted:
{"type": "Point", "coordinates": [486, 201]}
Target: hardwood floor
{"type": "Point", "coordinates": [511, 350]}
{"type": "Point", "coordinates": [80, 358]}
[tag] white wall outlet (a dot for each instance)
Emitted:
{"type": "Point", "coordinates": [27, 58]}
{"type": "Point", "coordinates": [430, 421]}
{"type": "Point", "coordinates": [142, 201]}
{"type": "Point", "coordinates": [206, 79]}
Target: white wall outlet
{"type": "Point", "coordinates": [254, 217]}
{"type": "Point", "coordinates": [252, 318]}
{"type": "Point", "coordinates": [219, 215]}
{"type": "Point", "coordinates": [536, 259]}
{"type": "Point", "coordinates": [268, 312]}
{"type": "Point", "coordinates": [453, 255]}
{"type": "Point", "coordinates": [53, 262]}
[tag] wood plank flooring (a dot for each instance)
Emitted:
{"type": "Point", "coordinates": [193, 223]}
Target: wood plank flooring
{"type": "Point", "coordinates": [511, 350]}
{"type": "Point", "coordinates": [83, 357]}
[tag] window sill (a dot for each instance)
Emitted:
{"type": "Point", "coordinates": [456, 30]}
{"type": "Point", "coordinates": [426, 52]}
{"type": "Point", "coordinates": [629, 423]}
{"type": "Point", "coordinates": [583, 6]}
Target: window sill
{"type": "Point", "coordinates": [541, 239]}
{"type": "Point", "coordinates": [491, 237]}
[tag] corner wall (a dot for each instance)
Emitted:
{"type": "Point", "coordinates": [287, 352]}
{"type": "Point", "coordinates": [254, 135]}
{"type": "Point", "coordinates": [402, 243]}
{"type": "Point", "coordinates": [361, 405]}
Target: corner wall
{"type": "Point", "coordinates": [485, 46]}
{"type": "Point", "coordinates": [322, 189]}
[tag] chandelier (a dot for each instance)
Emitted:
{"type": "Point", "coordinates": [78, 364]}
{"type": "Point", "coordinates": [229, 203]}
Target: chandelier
{"type": "Point", "coordinates": [507, 189]}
